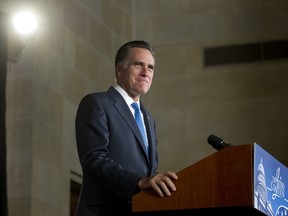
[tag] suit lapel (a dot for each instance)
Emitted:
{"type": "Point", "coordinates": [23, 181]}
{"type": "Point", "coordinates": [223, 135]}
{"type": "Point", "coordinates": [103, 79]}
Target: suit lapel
{"type": "Point", "coordinates": [125, 112]}
{"type": "Point", "coordinates": [149, 123]}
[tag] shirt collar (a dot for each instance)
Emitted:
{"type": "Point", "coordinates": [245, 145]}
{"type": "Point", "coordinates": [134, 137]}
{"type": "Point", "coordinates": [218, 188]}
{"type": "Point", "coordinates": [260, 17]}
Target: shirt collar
{"type": "Point", "coordinates": [126, 97]}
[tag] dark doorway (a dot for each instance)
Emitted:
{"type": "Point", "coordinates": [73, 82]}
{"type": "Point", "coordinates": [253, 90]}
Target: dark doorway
{"type": "Point", "coordinates": [74, 196]}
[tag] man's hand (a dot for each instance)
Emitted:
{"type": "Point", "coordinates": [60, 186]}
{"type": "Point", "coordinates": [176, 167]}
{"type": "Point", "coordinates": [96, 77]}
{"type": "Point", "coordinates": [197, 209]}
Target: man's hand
{"type": "Point", "coordinates": [161, 183]}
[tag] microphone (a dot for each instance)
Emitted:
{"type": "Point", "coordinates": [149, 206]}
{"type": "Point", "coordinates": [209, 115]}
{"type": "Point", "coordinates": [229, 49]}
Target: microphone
{"type": "Point", "coordinates": [217, 142]}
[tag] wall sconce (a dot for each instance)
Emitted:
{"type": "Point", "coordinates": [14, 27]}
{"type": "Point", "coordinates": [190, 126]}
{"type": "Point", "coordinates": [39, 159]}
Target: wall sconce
{"type": "Point", "coordinates": [22, 25]}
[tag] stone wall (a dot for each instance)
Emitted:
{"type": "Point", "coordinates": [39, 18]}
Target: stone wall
{"type": "Point", "coordinates": [73, 54]}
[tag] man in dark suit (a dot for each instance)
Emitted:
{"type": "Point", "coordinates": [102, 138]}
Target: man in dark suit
{"type": "Point", "coordinates": [115, 160]}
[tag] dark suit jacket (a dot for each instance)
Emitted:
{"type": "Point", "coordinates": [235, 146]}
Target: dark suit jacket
{"type": "Point", "coordinates": [111, 153]}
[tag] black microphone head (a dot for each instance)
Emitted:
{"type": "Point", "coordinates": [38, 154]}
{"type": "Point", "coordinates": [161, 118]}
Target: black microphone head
{"type": "Point", "coordinates": [216, 142]}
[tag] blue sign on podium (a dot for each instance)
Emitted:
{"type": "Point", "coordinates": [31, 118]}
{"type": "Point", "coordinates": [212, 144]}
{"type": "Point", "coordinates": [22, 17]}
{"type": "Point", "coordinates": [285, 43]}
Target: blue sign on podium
{"type": "Point", "coordinates": [270, 180]}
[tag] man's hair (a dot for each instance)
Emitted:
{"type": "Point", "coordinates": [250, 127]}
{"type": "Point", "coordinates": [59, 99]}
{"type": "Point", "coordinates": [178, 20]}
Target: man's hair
{"type": "Point", "coordinates": [124, 50]}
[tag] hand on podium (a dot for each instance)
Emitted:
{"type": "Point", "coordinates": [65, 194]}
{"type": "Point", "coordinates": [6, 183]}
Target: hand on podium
{"type": "Point", "coordinates": [161, 183]}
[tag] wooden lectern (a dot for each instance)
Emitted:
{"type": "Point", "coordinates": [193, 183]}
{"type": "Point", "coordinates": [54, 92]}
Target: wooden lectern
{"type": "Point", "coordinates": [220, 183]}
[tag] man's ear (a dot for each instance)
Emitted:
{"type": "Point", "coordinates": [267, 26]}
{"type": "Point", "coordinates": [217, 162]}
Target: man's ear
{"type": "Point", "coordinates": [118, 71]}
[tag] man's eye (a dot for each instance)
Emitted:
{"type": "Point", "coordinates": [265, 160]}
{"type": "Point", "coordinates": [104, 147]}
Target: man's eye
{"type": "Point", "coordinates": [138, 65]}
{"type": "Point", "coordinates": [141, 65]}
{"type": "Point", "coordinates": [151, 68]}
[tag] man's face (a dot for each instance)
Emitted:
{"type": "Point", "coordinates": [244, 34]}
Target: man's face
{"type": "Point", "coordinates": [136, 75]}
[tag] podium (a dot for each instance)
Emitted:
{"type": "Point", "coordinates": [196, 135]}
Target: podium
{"type": "Point", "coordinates": [233, 180]}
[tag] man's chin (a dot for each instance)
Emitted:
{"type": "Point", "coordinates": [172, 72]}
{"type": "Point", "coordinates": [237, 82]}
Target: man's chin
{"type": "Point", "coordinates": [143, 91]}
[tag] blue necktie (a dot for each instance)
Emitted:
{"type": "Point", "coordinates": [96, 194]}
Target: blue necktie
{"type": "Point", "coordinates": [140, 124]}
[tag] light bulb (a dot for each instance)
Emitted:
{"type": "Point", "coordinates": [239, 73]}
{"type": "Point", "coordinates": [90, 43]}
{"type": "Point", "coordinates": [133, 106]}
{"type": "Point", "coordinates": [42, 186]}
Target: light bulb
{"type": "Point", "coordinates": [25, 22]}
